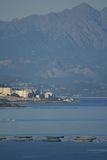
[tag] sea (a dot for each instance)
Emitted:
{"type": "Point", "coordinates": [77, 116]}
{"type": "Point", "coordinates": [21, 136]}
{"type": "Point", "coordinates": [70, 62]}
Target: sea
{"type": "Point", "coordinates": [84, 116]}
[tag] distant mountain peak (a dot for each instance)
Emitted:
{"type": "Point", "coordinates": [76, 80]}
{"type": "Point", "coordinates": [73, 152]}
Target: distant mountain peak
{"type": "Point", "coordinates": [64, 48]}
{"type": "Point", "coordinates": [84, 6]}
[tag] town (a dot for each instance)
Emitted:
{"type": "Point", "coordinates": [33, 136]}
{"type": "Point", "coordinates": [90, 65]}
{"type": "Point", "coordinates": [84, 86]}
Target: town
{"type": "Point", "coordinates": [25, 94]}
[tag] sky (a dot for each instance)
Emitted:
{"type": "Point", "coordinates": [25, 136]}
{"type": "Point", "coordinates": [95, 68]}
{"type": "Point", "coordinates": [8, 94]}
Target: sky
{"type": "Point", "coordinates": [11, 9]}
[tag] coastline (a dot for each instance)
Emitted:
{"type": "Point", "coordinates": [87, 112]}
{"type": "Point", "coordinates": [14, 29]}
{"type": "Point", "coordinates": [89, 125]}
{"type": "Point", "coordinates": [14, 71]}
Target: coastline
{"type": "Point", "coordinates": [15, 101]}
{"type": "Point", "coordinates": [10, 101]}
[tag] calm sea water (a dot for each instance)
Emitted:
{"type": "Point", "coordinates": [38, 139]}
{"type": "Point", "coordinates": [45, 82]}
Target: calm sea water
{"type": "Point", "coordinates": [52, 151]}
{"type": "Point", "coordinates": [86, 116]}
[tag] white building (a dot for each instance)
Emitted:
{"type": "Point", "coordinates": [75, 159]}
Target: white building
{"type": "Point", "coordinates": [4, 91]}
{"type": "Point", "coordinates": [48, 94]}
{"type": "Point", "coordinates": [22, 92]}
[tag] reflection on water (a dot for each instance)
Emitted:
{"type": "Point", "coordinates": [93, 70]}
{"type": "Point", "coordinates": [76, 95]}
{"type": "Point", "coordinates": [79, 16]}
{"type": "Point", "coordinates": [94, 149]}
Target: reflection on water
{"type": "Point", "coordinates": [37, 119]}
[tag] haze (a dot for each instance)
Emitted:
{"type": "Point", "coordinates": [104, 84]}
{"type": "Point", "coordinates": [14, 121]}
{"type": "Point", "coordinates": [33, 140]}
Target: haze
{"type": "Point", "coordinates": [10, 9]}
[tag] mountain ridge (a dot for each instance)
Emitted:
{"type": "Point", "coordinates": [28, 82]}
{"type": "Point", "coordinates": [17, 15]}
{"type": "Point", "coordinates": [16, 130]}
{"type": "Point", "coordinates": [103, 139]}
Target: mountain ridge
{"type": "Point", "coordinates": [65, 47]}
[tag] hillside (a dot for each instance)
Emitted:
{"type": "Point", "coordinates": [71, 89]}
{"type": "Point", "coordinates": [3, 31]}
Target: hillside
{"type": "Point", "coordinates": [68, 48]}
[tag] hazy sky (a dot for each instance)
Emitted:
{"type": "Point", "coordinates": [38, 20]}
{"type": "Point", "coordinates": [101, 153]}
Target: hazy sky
{"type": "Point", "coordinates": [10, 9]}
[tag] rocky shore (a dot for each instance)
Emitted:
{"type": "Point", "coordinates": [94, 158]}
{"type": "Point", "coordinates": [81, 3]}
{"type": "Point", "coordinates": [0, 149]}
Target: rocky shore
{"type": "Point", "coordinates": [7, 103]}
{"type": "Point", "coordinates": [73, 138]}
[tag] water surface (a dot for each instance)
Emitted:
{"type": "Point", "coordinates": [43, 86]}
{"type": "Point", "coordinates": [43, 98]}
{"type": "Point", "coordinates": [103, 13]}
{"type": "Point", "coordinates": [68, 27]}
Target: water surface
{"type": "Point", "coordinates": [87, 117]}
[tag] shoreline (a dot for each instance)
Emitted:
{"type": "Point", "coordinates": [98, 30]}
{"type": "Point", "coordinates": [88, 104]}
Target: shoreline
{"type": "Point", "coordinates": [17, 100]}
{"type": "Point", "coordinates": [10, 101]}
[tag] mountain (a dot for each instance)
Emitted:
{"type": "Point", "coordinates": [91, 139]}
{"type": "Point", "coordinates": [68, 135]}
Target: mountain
{"type": "Point", "coordinates": [68, 48]}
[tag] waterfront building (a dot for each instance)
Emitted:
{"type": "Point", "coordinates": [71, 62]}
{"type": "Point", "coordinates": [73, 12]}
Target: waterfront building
{"type": "Point", "coordinates": [48, 94]}
{"type": "Point", "coordinates": [5, 91]}
{"type": "Point", "coordinates": [22, 92]}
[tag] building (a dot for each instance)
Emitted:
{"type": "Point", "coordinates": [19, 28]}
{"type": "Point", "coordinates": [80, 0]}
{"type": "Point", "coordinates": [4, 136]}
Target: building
{"type": "Point", "coordinates": [22, 92]}
{"type": "Point", "coordinates": [67, 99]}
{"type": "Point", "coordinates": [5, 91]}
{"type": "Point", "coordinates": [48, 94]}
